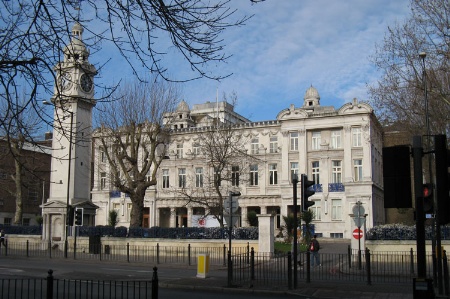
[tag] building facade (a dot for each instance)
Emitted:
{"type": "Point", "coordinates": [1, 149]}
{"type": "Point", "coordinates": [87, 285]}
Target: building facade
{"type": "Point", "coordinates": [34, 160]}
{"type": "Point", "coordinates": [339, 149]}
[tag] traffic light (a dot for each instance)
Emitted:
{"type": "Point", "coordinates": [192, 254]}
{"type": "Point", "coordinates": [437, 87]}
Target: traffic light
{"type": "Point", "coordinates": [442, 156]}
{"type": "Point", "coordinates": [70, 215]}
{"type": "Point", "coordinates": [306, 193]}
{"type": "Point", "coordinates": [79, 216]}
{"type": "Point", "coordinates": [428, 198]}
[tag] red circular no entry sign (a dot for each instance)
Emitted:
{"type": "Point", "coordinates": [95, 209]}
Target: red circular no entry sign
{"type": "Point", "coordinates": [357, 233]}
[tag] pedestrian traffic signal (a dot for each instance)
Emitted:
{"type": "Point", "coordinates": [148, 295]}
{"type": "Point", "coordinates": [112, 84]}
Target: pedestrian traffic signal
{"type": "Point", "coordinates": [306, 193]}
{"type": "Point", "coordinates": [428, 198]}
{"type": "Point", "coordinates": [79, 216]}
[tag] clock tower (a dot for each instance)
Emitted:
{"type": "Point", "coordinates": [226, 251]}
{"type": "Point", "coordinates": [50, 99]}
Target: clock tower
{"type": "Point", "coordinates": [70, 176]}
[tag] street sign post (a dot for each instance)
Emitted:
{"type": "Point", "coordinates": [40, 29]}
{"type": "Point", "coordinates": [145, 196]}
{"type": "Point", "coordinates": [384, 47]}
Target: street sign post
{"type": "Point", "coordinates": [357, 233]}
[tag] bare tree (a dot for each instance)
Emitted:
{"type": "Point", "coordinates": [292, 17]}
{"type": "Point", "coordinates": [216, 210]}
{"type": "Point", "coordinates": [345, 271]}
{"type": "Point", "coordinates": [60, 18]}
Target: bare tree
{"type": "Point", "coordinates": [399, 96]}
{"type": "Point", "coordinates": [20, 121]}
{"type": "Point", "coordinates": [133, 137]}
{"type": "Point", "coordinates": [223, 151]}
{"type": "Point", "coordinates": [34, 33]}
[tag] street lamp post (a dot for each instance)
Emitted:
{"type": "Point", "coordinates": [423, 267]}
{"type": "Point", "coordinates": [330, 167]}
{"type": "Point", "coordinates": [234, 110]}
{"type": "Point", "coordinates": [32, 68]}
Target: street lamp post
{"type": "Point", "coordinates": [66, 242]}
{"type": "Point", "coordinates": [230, 231]}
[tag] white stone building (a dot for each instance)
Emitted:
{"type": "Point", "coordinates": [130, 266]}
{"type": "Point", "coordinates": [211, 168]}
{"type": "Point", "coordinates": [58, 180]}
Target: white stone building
{"type": "Point", "coordinates": [340, 150]}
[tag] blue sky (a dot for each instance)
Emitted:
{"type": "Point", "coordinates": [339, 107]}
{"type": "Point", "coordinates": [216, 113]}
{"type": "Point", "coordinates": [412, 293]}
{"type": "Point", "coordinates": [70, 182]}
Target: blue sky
{"type": "Point", "coordinates": [288, 46]}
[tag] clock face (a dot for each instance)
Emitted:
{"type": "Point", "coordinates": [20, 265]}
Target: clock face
{"type": "Point", "coordinates": [65, 81]}
{"type": "Point", "coordinates": [86, 83]}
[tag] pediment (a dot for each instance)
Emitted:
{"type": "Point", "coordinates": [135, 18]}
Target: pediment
{"type": "Point", "coordinates": [56, 204]}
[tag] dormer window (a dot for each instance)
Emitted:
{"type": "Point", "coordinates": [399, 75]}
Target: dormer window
{"type": "Point", "coordinates": [180, 116]}
{"type": "Point", "coordinates": [76, 56]}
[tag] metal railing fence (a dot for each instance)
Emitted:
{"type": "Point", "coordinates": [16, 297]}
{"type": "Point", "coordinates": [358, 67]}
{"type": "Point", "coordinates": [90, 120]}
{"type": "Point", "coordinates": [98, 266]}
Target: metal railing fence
{"type": "Point", "coordinates": [50, 287]}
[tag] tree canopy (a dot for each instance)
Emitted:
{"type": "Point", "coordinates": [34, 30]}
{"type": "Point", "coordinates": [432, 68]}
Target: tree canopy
{"type": "Point", "coordinates": [415, 60]}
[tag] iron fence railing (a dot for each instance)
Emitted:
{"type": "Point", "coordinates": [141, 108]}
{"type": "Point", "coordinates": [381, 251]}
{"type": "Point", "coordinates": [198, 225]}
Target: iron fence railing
{"type": "Point", "coordinates": [51, 287]}
{"type": "Point", "coordinates": [250, 267]}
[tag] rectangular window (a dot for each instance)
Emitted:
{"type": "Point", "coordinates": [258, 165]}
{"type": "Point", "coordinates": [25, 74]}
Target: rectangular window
{"type": "Point", "coordinates": [116, 206]}
{"type": "Point", "coordinates": [7, 221]}
{"type": "Point", "coordinates": [26, 221]}
{"type": "Point", "coordinates": [165, 178]}
{"type": "Point", "coordinates": [294, 141]}
{"type": "Point", "coordinates": [294, 170]}
{"type": "Point", "coordinates": [254, 175]}
{"type": "Point", "coordinates": [336, 172]}
{"type": "Point", "coordinates": [198, 177]}
{"type": "Point", "coordinates": [273, 146]}
{"type": "Point", "coordinates": [336, 209]}
{"type": "Point", "coordinates": [217, 178]}
{"type": "Point", "coordinates": [356, 137]}
{"type": "Point", "coordinates": [316, 172]}
{"type": "Point", "coordinates": [235, 176]}
{"type": "Point", "coordinates": [255, 146]}
{"type": "Point", "coordinates": [102, 180]}
{"type": "Point", "coordinates": [273, 174]}
{"type": "Point", "coordinates": [317, 210]}
{"type": "Point", "coordinates": [182, 178]}
{"type": "Point", "coordinates": [179, 151]}
{"type": "Point", "coordinates": [315, 141]}
{"type": "Point", "coordinates": [357, 170]}
{"type": "Point", "coordinates": [102, 155]}
{"type": "Point", "coordinates": [335, 139]}
{"type": "Point", "coordinates": [33, 192]}
{"type": "Point", "coordinates": [336, 235]}
{"type": "Point", "coordinates": [196, 149]}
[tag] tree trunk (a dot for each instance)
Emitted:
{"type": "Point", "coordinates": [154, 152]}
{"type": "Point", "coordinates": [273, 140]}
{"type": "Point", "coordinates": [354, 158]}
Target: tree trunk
{"type": "Point", "coordinates": [137, 210]}
{"type": "Point", "coordinates": [18, 181]}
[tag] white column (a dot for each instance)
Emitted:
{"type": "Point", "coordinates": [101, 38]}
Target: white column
{"type": "Point", "coordinates": [266, 233]}
{"type": "Point", "coordinates": [173, 215]}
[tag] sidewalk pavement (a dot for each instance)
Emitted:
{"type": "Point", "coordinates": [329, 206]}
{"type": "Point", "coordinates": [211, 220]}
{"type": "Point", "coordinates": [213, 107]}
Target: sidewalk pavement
{"type": "Point", "coordinates": [216, 280]}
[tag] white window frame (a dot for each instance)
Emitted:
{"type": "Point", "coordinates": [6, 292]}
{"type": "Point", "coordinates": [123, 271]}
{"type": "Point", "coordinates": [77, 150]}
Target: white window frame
{"type": "Point", "coordinates": [235, 176]}
{"type": "Point", "coordinates": [196, 149]}
{"type": "Point", "coordinates": [317, 210]}
{"type": "Point", "coordinates": [293, 140]}
{"type": "Point", "coordinates": [165, 179]}
{"type": "Point", "coordinates": [315, 169]}
{"type": "Point", "coordinates": [273, 174]}
{"type": "Point", "coordinates": [356, 137]}
{"type": "Point", "coordinates": [253, 173]}
{"type": "Point", "coordinates": [181, 177]}
{"type": "Point", "coordinates": [180, 151]}
{"type": "Point", "coordinates": [357, 170]}
{"type": "Point", "coordinates": [336, 171]}
{"type": "Point", "coordinates": [255, 146]}
{"type": "Point", "coordinates": [102, 180]}
{"type": "Point", "coordinates": [336, 209]}
{"type": "Point", "coordinates": [336, 139]}
{"type": "Point", "coordinates": [294, 170]}
{"type": "Point", "coordinates": [315, 140]}
{"type": "Point", "coordinates": [198, 177]}
{"type": "Point", "coordinates": [273, 145]}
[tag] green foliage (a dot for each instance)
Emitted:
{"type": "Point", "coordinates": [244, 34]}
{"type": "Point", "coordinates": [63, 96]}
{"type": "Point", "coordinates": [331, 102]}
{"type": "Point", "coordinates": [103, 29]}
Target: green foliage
{"type": "Point", "coordinates": [39, 219]}
{"type": "Point", "coordinates": [252, 218]}
{"type": "Point", "coordinates": [113, 218]}
{"type": "Point", "coordinates": [290, 225]}
{"type": "Point", "coordinates": [307, 218]}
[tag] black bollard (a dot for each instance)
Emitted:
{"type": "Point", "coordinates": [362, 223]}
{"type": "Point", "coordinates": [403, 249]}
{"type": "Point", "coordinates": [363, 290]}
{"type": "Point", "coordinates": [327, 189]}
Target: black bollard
{"type": "Point", "coordinates": [50, 284]}
{"type": "Point", "coordinates": [369, 278]}
{"type": "Point", "coordinates": [155, 283]}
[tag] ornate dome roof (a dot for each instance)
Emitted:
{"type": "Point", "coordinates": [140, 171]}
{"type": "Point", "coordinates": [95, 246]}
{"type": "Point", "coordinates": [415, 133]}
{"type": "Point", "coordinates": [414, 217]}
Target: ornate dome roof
{"type": "Point", "coordinates": [312, 93]}
{"type": "Point", "coordinates": [183, 107]}
{"type": "Point", "coordinates": [77, 48]}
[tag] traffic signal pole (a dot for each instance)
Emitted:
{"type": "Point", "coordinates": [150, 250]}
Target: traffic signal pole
{"type": "Point", "coordinates": [417, 152]}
